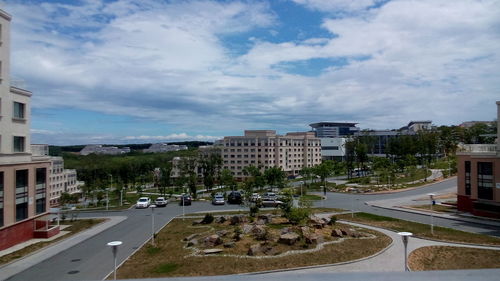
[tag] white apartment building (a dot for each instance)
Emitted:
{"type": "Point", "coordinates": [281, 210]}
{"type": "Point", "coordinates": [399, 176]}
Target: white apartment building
{"type": "Point", "coordinates": [61, 181]}
{"type": "Point", "coordinates": [333, 148]}
{"type": "Point", "coordinates": [164, 147]}
{"type": "Point", "coordinates": [100, 149]}
{"type": "Point", "coordinates": [265, 149]}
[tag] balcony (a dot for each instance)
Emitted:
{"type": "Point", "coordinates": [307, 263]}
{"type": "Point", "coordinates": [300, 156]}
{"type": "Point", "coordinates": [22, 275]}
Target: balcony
{"type": "Point", "coordinates": [477, 148]}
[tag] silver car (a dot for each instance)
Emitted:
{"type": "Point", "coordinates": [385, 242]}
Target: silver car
{"type": "Point", "coordinates": [218, 200]}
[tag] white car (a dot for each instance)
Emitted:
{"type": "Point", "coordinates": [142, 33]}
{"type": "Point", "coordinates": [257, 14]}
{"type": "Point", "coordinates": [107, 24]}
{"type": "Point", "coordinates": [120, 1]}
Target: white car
{"type": "Point", "coordinates": [161, 202]}
{"type": "Point", "coordinates": [218, 200]}
{"type": "Point", "coordinates": [143, 202]}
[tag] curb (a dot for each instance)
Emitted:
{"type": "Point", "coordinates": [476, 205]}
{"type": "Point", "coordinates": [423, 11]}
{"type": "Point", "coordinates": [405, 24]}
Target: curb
{"type": "Point", "coordinates": [406, 189]}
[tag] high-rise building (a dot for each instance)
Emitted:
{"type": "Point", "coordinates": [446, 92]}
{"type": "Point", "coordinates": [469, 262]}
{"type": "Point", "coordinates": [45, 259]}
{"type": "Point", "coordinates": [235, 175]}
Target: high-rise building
{"type": "Point", "coordinates": [265, 149]}
{"type": "Point", "coordinates": [334, 129]}
{"type": "Point", "coordinates": [23, 177]}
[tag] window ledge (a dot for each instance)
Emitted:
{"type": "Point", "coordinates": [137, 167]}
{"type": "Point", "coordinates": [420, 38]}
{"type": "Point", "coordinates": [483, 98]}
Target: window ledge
{"type": "Point", "coordinates": [19, 120]}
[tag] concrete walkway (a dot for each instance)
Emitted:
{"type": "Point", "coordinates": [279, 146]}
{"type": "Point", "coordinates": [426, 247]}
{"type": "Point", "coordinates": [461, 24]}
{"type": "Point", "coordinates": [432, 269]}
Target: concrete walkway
{"type": "Point", "coordinates": [24, 263]}
{"type": "Point", "coordinates": [389, 260]}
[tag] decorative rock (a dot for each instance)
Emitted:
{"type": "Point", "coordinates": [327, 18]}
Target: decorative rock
{"type": "Point", "coordinates": [337, 233]}
{"type": "Point", "coordinates": [190, 237]}
{"type": "Point", "coordinates": [266, 218]}
{"type": "Point", "coordinates": [247, 228]}
{"type": "Point", "coordinates": [259, 231]}
{"type": "Point", "coordinates": [220, 219]}
{"type": "Point", "coordinates": [305, 230]}
{"type": "Point", "coordinates": [238, 219]}
{"type": "Point", "coordinates": [213, 240]}
{"type": "Point", "coordinates": [286, 230]}
{"type": "Point", "coordinates": [317, 222]}
{"type": "Point", "coordinates": [229, 244]}
{"type": "Point", "coordinates": [197, 222]}
{"type": "Point", "coordinates": [192, 242]}
{"type": "Point", "coordinates": [313, 238]}
{"type": "Point", "coordinates": [212, 251]}
{"type": "Point", "coordinates": [260, 222]}
{"type": "Point", "coordinates": [289, 238]}
{"type": "Point", "coordinates": [222, 233]}
{"type": "Point", "coordinates": [254, 250]}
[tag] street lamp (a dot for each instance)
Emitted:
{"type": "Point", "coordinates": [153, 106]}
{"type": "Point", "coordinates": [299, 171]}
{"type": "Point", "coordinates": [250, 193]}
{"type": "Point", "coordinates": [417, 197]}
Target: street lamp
{"type": "Point", "coordinates": [431, 198]}
{"type": "Point", "coordinates": [153, 224]}
{"type": "Point", "coordinates": [114, 247]}
{"type": "Point", "coordinates": [405, 236]}
{"type": "Point", "coordinates": [107, 199]}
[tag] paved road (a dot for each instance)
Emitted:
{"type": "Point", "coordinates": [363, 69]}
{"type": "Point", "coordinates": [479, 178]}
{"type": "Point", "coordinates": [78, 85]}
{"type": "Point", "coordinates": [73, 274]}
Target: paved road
{"type": "Point", "coordinates": [92, 260]}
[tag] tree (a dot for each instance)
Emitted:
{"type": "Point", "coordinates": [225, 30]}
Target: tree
{"type": "Point", "coordinates": [210, 162]}
{"type": "Point", "coordinates": [275, 176]}
{"type": "Point", "coordinates": [255, 179]}
{"type": "Point", "coordinates": [227, 179]}
{"type": "Point", "coordinates": [324, 170]}
{"type": "Point", "coordinates": [188, 166]}
{"type": "Point", "coordinates": [307, 174]}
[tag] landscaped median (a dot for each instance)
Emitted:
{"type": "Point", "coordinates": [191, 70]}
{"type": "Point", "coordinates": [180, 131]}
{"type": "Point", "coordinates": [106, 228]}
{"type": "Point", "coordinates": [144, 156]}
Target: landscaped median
{"type": "Point", "coordinates": [230, 244]}
{"type": "Point", "coordinates": [422, 230]}
{"type": "Point", "coordinates": [447, 258]}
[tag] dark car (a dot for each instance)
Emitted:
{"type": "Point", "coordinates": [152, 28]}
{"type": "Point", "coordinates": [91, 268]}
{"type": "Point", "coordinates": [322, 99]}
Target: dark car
{"type": "Point", "coordinates": [185, 200]}
{"type": "Point", "coordinates": [234, 197]}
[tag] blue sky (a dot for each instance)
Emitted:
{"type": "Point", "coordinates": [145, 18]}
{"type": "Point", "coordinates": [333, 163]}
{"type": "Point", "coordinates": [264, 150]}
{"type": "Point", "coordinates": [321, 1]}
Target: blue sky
{"type": "Point", "coordinates": [137, 71]}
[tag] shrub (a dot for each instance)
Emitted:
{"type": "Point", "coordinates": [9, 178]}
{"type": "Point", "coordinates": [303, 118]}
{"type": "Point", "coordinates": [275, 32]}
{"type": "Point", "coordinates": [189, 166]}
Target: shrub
{"type": "Point", "coordinates": [298, 215]}
{"type": "Point", "coordinates": [208, 219]}
{"type": "Point", "coordinates": [333, 220]}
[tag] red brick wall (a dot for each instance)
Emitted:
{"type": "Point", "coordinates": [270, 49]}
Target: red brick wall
{"type": "Point", "coordinates": [464, 203]}
{"type": "Point", "coordinates": [15, 234]}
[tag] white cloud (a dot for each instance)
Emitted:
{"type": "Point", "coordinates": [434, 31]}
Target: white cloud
{"type": "Point", "coordinates": [338, 6]}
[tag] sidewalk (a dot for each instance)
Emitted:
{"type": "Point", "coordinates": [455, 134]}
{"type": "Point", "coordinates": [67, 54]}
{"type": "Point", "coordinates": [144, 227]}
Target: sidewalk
{"type": "Point", "coordinates": [13, 268]}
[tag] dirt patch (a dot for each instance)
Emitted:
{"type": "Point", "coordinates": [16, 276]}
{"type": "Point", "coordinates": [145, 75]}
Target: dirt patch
{"type": "Point", "coordinates": [447, 258]}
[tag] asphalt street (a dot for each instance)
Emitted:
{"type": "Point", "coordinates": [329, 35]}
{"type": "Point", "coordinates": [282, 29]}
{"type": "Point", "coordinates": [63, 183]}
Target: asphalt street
{"type": "Point", "coordinates": [93, 260]}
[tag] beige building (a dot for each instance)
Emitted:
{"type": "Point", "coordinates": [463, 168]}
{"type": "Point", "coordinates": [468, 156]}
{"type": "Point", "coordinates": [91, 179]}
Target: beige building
{"type": "Point", "coordinates": [61, 181]}
{"type": "Point", "coordinates": [23, 178]}
{"type": "Point", "coordinates": [265, 149]}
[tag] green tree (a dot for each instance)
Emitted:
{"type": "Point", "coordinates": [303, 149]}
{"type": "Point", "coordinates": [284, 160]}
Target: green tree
{"type": "Point", "coordinates": [275, 177]}
{"type": "Point", "coordinates": [323, 171]}
{"type": "Point", "coordinates": [188, 169]}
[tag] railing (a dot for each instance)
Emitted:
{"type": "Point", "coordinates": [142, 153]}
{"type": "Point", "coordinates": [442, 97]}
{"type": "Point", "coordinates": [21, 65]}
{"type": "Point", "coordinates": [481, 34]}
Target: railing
{"type": "Point", "coordinates": [478, 148]}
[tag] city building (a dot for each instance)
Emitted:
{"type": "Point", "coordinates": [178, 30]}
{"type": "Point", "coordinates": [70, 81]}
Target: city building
{"type": "Point", "coordinates": [478, 177]}
{"type": "Point", "coordinates": [24, 177]}
{"type": "Point", "coordinates": [333, 148]}
{"type": "Point", "coordinates": [327, 129]}
{"type": "Point", "coordinates": [100, 149]}
{"type": "Point", "coordinates": [164, 147]}
{"type": "Point", "coordinates": [265, 149]}
{"type": "Point", "coordinates": [62, 181]}
{"type": "Point", "coordinates": [470, 124]}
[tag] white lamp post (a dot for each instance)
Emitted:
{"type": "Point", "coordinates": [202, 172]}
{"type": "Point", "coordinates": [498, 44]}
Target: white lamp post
{"type": "Point", "coordinates": [405, 236]}
{"type": "Point", "coordinates": [107, 200]}
{"type": "Point", "coordinates": [153, 224]}
{"type": "Point", "coordinates": [431, 197]}
{"type": "Point", "coordinates": [114, 247]}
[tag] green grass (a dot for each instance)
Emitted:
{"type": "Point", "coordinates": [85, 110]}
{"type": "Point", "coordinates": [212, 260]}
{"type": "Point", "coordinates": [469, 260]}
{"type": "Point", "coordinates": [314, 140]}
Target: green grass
{"type": "Point", "coordinates": [422, 230]}
{"type": "Point", "coordinates": [166, 268]}
{"type": "Point", "coordinates": [311, 197]}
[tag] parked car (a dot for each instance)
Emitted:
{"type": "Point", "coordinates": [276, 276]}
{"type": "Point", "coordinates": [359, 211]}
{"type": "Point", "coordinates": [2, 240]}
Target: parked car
{"type": "Point", "coordinates": [143, 202]}
{"type": "Point", "coordinates": [270, 203]}
{"type": "Point", "coordinates": [161, 202]}
{"type": "Point", "coordinates": [218, 200]}
{"type": "Point", "coordinates": [234, 197]}
{"type": "Point", "coordinates": [185, 200]}
{"type": "Point", "coordinates": [255, 197]}
{"type": "Point", "coordinates": [269, 196]}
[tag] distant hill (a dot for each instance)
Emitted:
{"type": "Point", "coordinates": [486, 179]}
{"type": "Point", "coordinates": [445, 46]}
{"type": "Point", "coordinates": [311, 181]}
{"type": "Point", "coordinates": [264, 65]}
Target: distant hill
{"type": "Point", "coordinates": [55, 150]}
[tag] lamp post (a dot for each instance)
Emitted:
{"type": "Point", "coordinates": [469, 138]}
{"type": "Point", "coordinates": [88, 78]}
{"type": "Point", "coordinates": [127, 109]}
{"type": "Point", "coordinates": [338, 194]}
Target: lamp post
{"type": "Point", "coordinates": [114, 247]}
{"type": "Point", "coordinates": [405, 236]}
{"type": "Point", "coordinates": [431, 198]}
{"type": "Point", "coordinates": [153, 224]}
{"type": "Point", "coordinates": [107, 199]}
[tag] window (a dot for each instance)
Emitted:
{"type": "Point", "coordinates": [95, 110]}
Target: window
{"type": "Point", "coordinates": [330, 148]}
{"type": "Point", "coordinates": [19, 144]}
{"type": "Point", "coordinates": [467, 178]}
{"type": "Point", "coordinates": [41, 179]}
{"type": "Point", "coordinates": [485, 180]}
{"type": "Point", "coordinates": [19, 110]}
{"type": "Point", "coordinates": [21, 195]}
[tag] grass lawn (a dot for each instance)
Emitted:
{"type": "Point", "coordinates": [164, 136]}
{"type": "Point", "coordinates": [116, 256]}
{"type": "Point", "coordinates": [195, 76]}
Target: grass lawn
{"type": "Point", "coordinates": [447, 258]}
{"type": "Point", "coordinates": [171, 257]}
{"type": "Point", "coordinates": [436, 208]}
{"type": "Point", "coordinates": [75, 227]}
{"type": "Point", "coordinates": [311, 197]}
{"type": "Point", "coordinates": [422, 230]}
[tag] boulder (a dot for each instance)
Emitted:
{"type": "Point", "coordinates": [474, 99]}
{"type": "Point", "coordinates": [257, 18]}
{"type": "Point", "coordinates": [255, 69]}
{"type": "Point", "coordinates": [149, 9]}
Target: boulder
{"type": "Point", "coordinates": [265, 217]}
{"type": "Point", "coordinates": [221, 219]}
{"type": "Point", "coordinates": [229, 244]}
{"type": "Point", "coordinates": [317, 222]}
{"type": "Point", "coordinates": [289, 238]}
{"type": "Point", "coordinates": [213, 240]}
{"type": "Point", "coordinates": [305, 230]}
{"type": "Point", "coordinates": [237, 219]}
{"type": "Point", "coordinates": [346, 232]}
{"type": "Point", "coordinates": [337, 233]}
{"type": "Point", "coordinates": [197, 222]}
{"type": "Point", "coordinates": [259, 232]}
{"type": "Point", "coordinates": [254, 250]}
{"type": "Point", "coordinates": [247, 228]}
{"type": "Point", "coordinates": [192, 242]}
{"type": "Point", "coordinates": [212, 251]}
{"type": "Point", "coordinates": [222, 233]}
{"type": "Point", "coordinates": [286, 230]}
{"type": "Point", "coordinates": [260, 222]}
{"type": "Point", "coordinates": [313, 238]}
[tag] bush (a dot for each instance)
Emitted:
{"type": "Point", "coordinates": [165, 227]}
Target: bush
{"type": "Point", "coordinates": [298, 215]}
{"type": "Point", "coordinates": [254, 210]}
{"type": "Point", "coordinates": [208, 219]}
{"type": "Point", "coordinates": [333, 220]}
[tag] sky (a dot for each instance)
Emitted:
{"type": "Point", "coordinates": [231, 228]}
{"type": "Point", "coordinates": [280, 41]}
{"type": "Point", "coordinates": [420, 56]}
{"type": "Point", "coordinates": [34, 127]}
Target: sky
{"type": "Point", "coordinates": [139, 71]}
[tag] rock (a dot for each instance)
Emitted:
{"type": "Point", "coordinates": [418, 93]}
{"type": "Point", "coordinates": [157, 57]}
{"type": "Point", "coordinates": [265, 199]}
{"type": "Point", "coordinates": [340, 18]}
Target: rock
{"type": "Point", "coordinates": [289, 238]}
{"type": "Point", "coordinates": [222, 233]}
{"type": "Point", "coordinates": [260, 222]}
{"type": "Point", "coordinates": [346, 232]}
{"type": "Point", "coordinates": [326, 221]}
{"type": "Point", "coordinates": [247, 228]}
{"type": "Point", "coordinates": [266, 218]}
{"type": "Point", "coordinates": [305, 230]}
{"type": "Point", "coordinates": [192, 242]}
{"type": "Point", "coordinates": [259, 232]}
{"type": "Point", "coordinates": [190, 237]}
{"type": "Point", "coordinates": [237, 219]}
{"type": "Point", "coordinates": [254, 250]}
{"type": "Point", "coordinates": [337, 233]}
{"type": "Point", "coordinates": [286, 230]}
{"type": "Point", "coordinates": [221, 219]}
{"type": "Point", "coordinates": [213, 240]}
{"type": "Point", "coordinates": [212, 251]}
{"type": "Point", "coordinates": [197, 222]}
{"type": "Point", "coordinates": [317, 222]}
{"type": "Point", "coordinates": [229, 244]}
{"type": "Point", "coordinates": [313, 238]}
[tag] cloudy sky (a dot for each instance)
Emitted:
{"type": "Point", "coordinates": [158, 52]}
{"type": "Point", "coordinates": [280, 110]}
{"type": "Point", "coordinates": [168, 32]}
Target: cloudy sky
{"type": "Point", "coordinates": [136, 71]}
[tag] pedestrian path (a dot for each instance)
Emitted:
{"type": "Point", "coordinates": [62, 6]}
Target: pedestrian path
{"type": "Point", "coordinates": [11, 269]}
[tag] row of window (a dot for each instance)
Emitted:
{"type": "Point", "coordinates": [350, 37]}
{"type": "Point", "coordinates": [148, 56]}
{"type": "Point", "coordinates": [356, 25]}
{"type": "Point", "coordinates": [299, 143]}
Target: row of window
{"type": "Point", "coordinates": [286, 143]}
{"type": "Point", "coordinates": [19, 110]}
{"type": "Point", "coordinates": [484, 180]}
